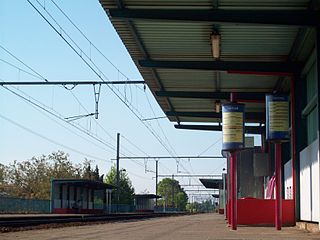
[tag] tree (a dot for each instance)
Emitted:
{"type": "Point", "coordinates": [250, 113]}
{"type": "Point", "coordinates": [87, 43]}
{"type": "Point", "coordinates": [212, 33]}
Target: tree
{"type": "Point", "coordinates": [3, 178]}
{"type": "Point", "coordinates": [88, 173]}
{"type": "Point", "coordinates": [172, 194]}
{"type": "Point", "coordinates": [126, 190]}
{"type": "Point", "coordinates": [32, 178]}
{"type": "Point", "coordinates": [2, 173]}
{"type": "Point", "coordinates": [205, 206]}
{"type": "Point", "coordinates": [181, 200]}
{"type": "Point", "coordinates": [96, 175]}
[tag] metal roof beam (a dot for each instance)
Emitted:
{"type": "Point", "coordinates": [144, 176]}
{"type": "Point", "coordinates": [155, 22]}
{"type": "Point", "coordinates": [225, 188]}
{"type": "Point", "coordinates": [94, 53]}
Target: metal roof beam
{"type": "Point", "coordinates": [248, 129]}
{"type": "Point", "coordinates": [270, 17]}
{"type": "Point", "coordinates": [249, 116]}
{"type": "Point", "coordinates": [249, 96]}
{"type": "Point", "coordinates": [279, 68]}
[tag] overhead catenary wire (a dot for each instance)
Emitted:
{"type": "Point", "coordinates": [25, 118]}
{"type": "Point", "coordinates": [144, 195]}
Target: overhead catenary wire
{"type": "Point", "coordinates": [50, 140]}
{"type": "Point", "coordinates": [136, 175]}
{"type": "Point", "coordinates": [139, 149]}
{"type": "Point", "coordinates": [164, 166]}
{"type": "Point", "coordinates": [90, 42]}
{"type": "Point", "coordinates": [23, 63]}
{"type": "Point", "coordinates": [40, 76]}
{"type": "Point", "coordinates": [20, 69]}
{"type": "Point", "coordinates": [212, 145]}
{"type": "Point", "coordinates": [134, 145]}
{"type": "Point", "coordinates": [161, 129]}
{"type": "Point", "coordinates": [154, 118]}
{"type": "Point", "coordinates": [35, 105]}
{"type": "Point", "coordinates": [145, 165]}
{"type": "Point", "coordinates": [47, 110]}
{"type": "Point", "coordinates": [219, 168]}
{"type": "Point", "coordinates": [97, 71]}
{"type": "Point", "coordinates": [43, 107]}
{"type": "Point", "coordinates": [42, 112]}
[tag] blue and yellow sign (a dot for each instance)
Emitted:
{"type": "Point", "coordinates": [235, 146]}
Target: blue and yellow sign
{"type": "Point", "coordinates": [277, 118]}
{"type": "Point", "coordinates": [232, 126]}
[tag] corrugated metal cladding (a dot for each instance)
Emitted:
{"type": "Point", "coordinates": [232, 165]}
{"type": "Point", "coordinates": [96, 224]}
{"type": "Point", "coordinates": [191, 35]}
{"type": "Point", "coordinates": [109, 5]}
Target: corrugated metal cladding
{"type": "Point", "coordinates": [198, 80]}
{"type": "Point", "coordinates": [181, 40]}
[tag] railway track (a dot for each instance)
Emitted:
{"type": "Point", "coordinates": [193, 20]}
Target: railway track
{"type": "Point", "coordinates": [30, 221]}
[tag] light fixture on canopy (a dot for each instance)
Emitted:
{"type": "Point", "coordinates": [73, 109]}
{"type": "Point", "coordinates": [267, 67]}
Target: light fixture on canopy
{"type": "Point", "coordinates": [215, 44]}
{"type": "Point", "coordinates": [217, 106]}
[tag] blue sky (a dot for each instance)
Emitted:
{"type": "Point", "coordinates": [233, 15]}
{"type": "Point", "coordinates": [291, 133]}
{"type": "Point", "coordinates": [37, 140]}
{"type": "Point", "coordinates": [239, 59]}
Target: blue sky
{"type": "Point", "coordinates": [26, 35]}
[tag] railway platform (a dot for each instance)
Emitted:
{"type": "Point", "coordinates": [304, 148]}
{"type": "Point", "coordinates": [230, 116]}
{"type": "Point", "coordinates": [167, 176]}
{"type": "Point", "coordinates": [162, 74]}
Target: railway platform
{"type": "Point", "coordinates": [188, 227]}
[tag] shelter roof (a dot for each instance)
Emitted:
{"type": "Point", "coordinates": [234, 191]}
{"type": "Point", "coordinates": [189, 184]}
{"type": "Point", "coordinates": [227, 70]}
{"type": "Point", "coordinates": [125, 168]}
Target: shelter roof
{"type": "Point", "coordinates": [147, 196]}
{"type": "Point", "coordinates": [212, 183]}
{"type": "Point", "coordinates": [216, 195]}
{"type": "Point", "coordinates": [263, 43]}
{"type": "Point", "coordinates": [84, 183]}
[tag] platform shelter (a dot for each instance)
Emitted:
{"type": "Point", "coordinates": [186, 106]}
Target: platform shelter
{"type": "Point", "coordinates": [216, 184]}
{"type": "Point", "coordinates": [197, 56]}
{"type": "Point", "coordinates": [145, 202]}
{"type": "Point", "coordinates": [80, 196]}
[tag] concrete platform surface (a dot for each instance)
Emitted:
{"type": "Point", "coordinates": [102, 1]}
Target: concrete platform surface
{"type": "Point", "coordinates": [204, 227]}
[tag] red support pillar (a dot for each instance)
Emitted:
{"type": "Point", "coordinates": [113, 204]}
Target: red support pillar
{"type": "Point", "coordinates": [233, 190]}
{"type": "Point", "coordinates": [227, 210]}
{"type": "Point", "coordinates": [228, 195]}
{"type": "Point", "coordinates": [278, 201]}
{"type": "Point", "coordinates": [293, 145]}
{"type": "Point", "coordinates": [233, 179]}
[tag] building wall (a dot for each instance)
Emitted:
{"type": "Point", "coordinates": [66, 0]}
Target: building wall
{"type": "Point", "coordinates": [288, 180]}
{"type": "Point", "coordinates": [143, 204]}
{"type": "Point", "coordinates": [309, 183]}
{"type": "Point", "coordinates": [311, 116]}
{"type": "Point", "coordinates": [56, 196]}
{"type": "Point", "coordinates": [309, 155]}
{"type": "Point", "coordinates": [65, 201]}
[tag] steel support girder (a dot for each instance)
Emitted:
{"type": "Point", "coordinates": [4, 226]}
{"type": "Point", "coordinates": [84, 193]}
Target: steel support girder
{"type": "Point", "coordinates": [248, 129]}
{"type": "Point", "coordinates": [249, 116]}
{"type": "Point", "coordinates": [251, 96]}
{"type": "Point", "coordinates": [230, 66]}
{"type": "Point", "coordinates": [270, 17]}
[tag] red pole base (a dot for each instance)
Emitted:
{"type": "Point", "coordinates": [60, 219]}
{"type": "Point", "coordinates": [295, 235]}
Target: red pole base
{"type": "Point", "coordinates": [278, 202]}
{"type": "Point", "coordinates": [233, 190]}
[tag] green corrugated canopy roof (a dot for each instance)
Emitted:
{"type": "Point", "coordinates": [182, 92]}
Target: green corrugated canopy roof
{"type": "Point", "coordinates": [164, 39]}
